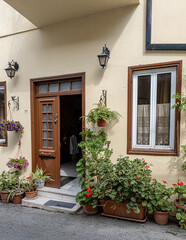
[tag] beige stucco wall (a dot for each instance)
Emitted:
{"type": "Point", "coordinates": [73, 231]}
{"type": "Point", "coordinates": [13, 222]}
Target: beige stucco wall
{"type": "Point", "coordinates": [72, 47]}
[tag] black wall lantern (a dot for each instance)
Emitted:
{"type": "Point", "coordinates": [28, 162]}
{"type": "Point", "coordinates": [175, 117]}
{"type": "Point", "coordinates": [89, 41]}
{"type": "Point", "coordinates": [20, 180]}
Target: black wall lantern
{"type": "Point", "coordinates": [11, 69]}
{"type": "Point", "coordinates": [104, 57]}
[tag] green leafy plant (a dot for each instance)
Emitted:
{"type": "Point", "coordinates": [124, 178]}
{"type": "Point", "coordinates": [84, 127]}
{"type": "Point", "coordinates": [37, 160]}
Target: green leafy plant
{"type": "Point", "coordinates": [16, 190]}
{"type": "Point", "coordinates": [159, 198]}
{"type": "Point", "coordinates": [126, 181]}
{"type": "Point", "coordinates": [28, 185]}
{"type": "Point", "coordinates": [39, 175]}
{"type": "Point", "coordinates": [8, 180]}
{"type": "Point", "coordinates": [87, 197]}
{"type": "Point", "coordinates": [95, 153]}
{"type": "Point", "coordinates": [101, 112]}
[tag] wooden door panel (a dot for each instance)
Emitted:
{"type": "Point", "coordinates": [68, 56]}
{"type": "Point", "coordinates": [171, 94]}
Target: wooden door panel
{"type": "Point", "coordinates": [47, 138]}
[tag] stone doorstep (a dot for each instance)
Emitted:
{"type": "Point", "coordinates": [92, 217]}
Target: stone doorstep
{"type": "Point", "coordinates": [39, 202]}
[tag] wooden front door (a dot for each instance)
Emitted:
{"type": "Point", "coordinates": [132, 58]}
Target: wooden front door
{"type": "Point", "coordinates": [47, 137]}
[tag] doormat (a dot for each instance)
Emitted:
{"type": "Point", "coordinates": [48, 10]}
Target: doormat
{"type": "Point", "coordinates": [65, 180]}
{"type": "Point", "coordinates": [53, 203]}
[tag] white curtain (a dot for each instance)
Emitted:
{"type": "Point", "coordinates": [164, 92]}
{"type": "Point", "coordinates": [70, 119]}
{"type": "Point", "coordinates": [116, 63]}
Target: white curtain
{"type": "Point", "coordinates": [162, 124]}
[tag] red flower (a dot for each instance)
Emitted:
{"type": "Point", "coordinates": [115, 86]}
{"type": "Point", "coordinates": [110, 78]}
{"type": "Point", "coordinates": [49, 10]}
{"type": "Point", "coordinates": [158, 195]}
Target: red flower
{"type": "Point", "coordinates": [28, 177]}
{"type": "Point", "coordinates": [128, 182]}
{"type": "Point", "coordinates": [137, 177]}
{"type": "Point", "coordinates": [147, 166]}
{"type": "Point", "coordinates": [33, 184]}
{"type": "Point", "coordinates": [88, 195]}
{"type": "Point", "coordinates": [89, 190]}
{"type": "Point", "coordinates": [165, 182]}
{"type": "Point", "coordinates": [180, 184]}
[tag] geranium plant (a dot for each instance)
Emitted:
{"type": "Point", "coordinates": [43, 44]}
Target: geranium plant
{"type": "Point", "coordinates": [20, 162]}
{"type": "Point", "coordinates": [11, 126]}
{"type": "Point", "coordinates": [28, 184]}
{"type": "Point", "coordinates": [87, 197]}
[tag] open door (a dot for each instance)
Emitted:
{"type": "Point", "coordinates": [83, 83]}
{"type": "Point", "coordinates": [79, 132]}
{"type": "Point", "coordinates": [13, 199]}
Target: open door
{"type": "Point", "coordinates": [47, 137]}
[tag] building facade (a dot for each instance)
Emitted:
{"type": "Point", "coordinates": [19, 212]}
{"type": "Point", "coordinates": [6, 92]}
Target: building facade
{"type": "Point", "coordinates": [56, 46]}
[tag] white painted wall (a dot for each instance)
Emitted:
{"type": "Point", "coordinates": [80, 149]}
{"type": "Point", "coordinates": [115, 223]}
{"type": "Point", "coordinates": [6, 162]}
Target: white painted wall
{"type": "Point", "coordinates": [72, 47]}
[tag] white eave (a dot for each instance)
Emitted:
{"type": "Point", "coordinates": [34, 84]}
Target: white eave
{"type": "Point", "coordinates": [46, 12]}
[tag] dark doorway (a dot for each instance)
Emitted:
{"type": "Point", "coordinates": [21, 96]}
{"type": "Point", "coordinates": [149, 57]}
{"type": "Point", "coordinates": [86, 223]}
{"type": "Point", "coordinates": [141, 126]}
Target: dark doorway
{"type": "Point", "coordinates": [71, 126]}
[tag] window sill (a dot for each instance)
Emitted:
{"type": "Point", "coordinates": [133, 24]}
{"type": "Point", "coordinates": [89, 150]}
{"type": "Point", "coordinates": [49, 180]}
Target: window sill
{"type": "Point", "coordinates": [157, 152]}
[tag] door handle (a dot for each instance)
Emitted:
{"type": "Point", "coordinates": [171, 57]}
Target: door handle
{"type": "Point", "coordinates": [56, 118]}
{"type": "Point", "coordinates": [46, 154]}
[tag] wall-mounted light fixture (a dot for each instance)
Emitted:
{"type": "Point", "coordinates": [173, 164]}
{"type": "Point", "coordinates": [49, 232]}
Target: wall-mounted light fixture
{"type": "Point", "coordinates": [11, 69]}
{"type": "Point", "coordinates": [104, 57]}
{"type": "Point", "coordinates": [15, 101]}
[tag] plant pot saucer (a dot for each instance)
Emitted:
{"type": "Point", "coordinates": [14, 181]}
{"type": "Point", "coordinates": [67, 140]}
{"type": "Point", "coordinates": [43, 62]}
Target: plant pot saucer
{"type": "Point", "coordinates": [124, 218]}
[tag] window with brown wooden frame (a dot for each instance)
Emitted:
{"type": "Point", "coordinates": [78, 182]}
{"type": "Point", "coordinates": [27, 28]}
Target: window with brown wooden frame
{"type": "Point", "coordinates": [153, 126]}
{"type": "Point", "coordinates": [3, 134]}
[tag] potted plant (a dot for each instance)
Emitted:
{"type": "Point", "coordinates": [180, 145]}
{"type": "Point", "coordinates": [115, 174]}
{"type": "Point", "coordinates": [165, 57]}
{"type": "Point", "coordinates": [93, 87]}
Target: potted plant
{"type": "Point", "coordinates": [29, 187]}
{"type": "Point", "coordinates": [124, 187]}
{"type": "Point", "coordinates": [89, 202]}
{"type": "Point", "coordinates": [11, 126]}
{"type": "Point", "coordinates": [39, 177]}
{"type": "Point", "coordinates": [180, 204]}
{"type": "Point", "coordinates": [159, 202]}
{"type": "Point", "coordinates": [95, 151]}
{"type": "Point", "coordinates": [16, 193]}
{"type": "Point", "coordinates": [7, 181]}
{"type": "Point", "coordinates": [19, 163]}
{"type": "Point", "coordinates": [101, 115]}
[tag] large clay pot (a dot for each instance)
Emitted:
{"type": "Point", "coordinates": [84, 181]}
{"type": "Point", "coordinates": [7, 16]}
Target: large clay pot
{"type": "Point", "coordinates": [161, 218]}
{"type": "Point", "coordinates": [89, 210]}
{"type": "Point", "coordinates": [112, 208]}
{"type": "Point", "coordinates": [18, 198]}
{"type": "Point", "coordinates": [183, 207]}
{"type": "Point", "coordinates": [4, 196]}
{"type": "Point", "coordinates": [31, 194]}
{"type": "Point", "coordinates": [101, 123]}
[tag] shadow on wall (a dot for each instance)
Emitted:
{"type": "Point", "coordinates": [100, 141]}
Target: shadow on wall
{"type": "Point", "coordinates": [77, 42]}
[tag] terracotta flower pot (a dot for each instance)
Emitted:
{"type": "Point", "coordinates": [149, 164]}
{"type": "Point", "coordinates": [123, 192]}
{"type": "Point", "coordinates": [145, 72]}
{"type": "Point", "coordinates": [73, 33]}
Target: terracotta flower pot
{"type": "Point", "coordinates": [119, 210]}
{"type": "Point", "coordinates": [31, 194]}
{"type": "Point", "coordinates": [18, 198]}
{"type": "Point", "coordinates": [161, 218]}
{"type": "Point", "coordinates": [101, 123]}
{"type": "Point", "coordinates": [89, 210]}
{"type": "Point", "coordinates": [4, 196]}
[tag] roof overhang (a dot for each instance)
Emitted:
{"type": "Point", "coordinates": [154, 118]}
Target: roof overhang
{"type": "Point", "coordinates": [46, 12]}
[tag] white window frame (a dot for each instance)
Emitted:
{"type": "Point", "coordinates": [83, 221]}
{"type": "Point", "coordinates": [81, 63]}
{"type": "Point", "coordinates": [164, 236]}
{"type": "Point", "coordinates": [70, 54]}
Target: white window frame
{"type": "Point", "coordinates": [153, 101]}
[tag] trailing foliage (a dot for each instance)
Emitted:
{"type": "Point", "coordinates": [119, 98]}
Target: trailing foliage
{"type": "Point", "coordinates": [101, 112]}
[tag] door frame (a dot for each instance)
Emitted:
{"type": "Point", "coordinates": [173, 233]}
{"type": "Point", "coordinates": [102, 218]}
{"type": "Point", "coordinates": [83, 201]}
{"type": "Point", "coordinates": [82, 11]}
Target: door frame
{"type": "Point", "coordinates": [34, 95]}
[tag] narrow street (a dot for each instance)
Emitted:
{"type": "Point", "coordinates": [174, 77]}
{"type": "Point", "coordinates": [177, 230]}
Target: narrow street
{"type": "Point", "coordinates": [20, 223]}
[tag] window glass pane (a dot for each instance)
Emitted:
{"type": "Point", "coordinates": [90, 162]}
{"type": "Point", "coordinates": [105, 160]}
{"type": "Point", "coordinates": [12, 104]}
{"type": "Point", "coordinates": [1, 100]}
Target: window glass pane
{"type": "Point", "coordinates": [44, 116]}
{"type": "Point", "coordinates": [143, 110]}
{"type": "Point", "coordinates": [50, 107]}
{"type": "Point", "coordinates": [53, 87]}
{"type": "Point", "coordinates": [45, 143]}
{"type": "Point", "coordinates": [50, 116]}
{"type": "Point", "coordinates": [50, 143]}
{"type": "Point", "coordinates": [77, 85]}
{"type": "Point", "coordinates": [44, 134]}
{"type": "Point", "coordinates": [50, 125]}
{"type": "Point", "coordinates": [44, 125]}
{"type": "Point", "coordinates": [163, 109]}
{"type": "Point", "coordinates": [2, 113]}
{"type": "Point", "coordinates": [44, 108]}
{"type": "Point", "coordinates": [43, 88]}
{"type": "Point", "coordinates": [50, 134]}
{"type": "Point", "coordinates": [65, 86]}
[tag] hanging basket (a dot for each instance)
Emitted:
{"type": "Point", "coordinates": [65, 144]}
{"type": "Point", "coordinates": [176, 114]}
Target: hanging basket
{"type": "Point", "coordinates": [11, 126]}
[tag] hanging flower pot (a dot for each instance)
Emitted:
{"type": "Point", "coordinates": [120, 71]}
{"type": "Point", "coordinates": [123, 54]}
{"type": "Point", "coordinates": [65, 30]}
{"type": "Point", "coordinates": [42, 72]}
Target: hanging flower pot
{"type": "Point", "coordinates": [11, 126]}
{"type": "Point", "coordinates": [18, 163]}
{"type": "Point", "coordinates": [101, 123]}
